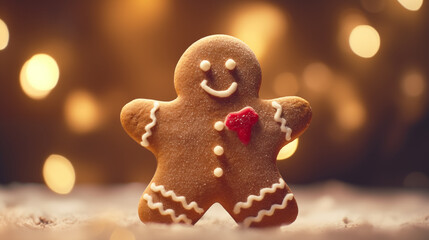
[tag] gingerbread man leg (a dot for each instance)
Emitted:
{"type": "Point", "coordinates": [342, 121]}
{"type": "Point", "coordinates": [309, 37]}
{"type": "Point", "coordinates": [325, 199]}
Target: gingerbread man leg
{"type": "Point", "coordinates": [272, 205]}
{"type": "Point", "coordinates": [161, 204]}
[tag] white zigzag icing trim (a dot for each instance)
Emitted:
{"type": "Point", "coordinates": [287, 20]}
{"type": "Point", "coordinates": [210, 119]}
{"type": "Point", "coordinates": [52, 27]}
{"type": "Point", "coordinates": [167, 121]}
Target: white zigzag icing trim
{"type": "Point", "coordinates": [249, 220]}
{"type": "Point", "coordinates": [171, 212]}
{"type": "Point", "coordinates": [278, 119]}
{"type": "Point", "coordinates": [181, 199]}
{"type": "Point", "coordinates": [238, 206]}
{"type": "Point", "coordinates": [150, 125]}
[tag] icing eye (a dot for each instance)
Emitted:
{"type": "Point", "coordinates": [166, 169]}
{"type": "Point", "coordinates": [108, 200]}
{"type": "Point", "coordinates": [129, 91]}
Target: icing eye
{"type": "Point", "coordinates": [230, 64]}
{"type": "Point", "coordinates": [205, 65]}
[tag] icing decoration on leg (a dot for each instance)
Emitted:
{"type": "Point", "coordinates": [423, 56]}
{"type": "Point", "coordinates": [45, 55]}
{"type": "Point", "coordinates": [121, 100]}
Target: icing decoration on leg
{"type": "Point", "coordinates": [168, 211]}
{"type": "Point", "coordinates": [150, 125]}
{"type": "Point", "coordinates": [278, 119]}
{"type": "Point", "coordinates": [181, 199]}
{"type": "Point", "coordinates": [249, 220]}
{"type": "Point", "coordinates": [238, 206]}
{"type": "Point", "coordinates": [242, 122]}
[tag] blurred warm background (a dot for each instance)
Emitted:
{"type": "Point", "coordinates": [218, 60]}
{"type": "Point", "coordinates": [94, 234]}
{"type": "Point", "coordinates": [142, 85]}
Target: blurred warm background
{"type": "Point", "coordinates": [68, 67]}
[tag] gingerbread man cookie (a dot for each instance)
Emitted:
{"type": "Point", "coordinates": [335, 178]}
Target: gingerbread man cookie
{"type": "Point", "coordinates": [217, 141]}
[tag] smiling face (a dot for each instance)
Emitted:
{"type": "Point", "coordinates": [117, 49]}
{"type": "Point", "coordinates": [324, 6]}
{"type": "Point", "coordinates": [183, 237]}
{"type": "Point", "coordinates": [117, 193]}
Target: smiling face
{"type": "Point", "coordinates": [230, 64]}
{"type": "Point", "coordinates": [218, 67]}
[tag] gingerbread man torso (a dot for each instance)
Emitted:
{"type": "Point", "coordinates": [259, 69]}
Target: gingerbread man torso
{"type": "Point", "coordinates": [200, 160]}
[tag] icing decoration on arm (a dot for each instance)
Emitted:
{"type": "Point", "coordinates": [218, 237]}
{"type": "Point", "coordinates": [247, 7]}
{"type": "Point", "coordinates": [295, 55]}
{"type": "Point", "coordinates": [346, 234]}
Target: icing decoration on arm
{"type": "Point", "coordinates": [205, 65]}
{"type": "Point", "coordinates": [249, 220]}
{"type": "Point", "coordinates": [181, 199]}
{"type": "Point", "coordinates": [222, 94]}
{"type": "Point", "coordinates": [278, 119]}
{"type": "Point", "coordinates": [168, 211]}
{"type": "Point", "coordinates": [230, 64]}
{"type": "Point", "coordinates": [238, 206]}
{"type": "Point", "coordinates": [150, 125]}
{"type": "Point", "coordinates": [242, 122]}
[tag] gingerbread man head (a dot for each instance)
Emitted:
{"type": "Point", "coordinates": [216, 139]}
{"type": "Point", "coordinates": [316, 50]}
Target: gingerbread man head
{"type": "Point", "coordinates": [217, 141]}
{"type": "Point", "coordinates": [221, 68]}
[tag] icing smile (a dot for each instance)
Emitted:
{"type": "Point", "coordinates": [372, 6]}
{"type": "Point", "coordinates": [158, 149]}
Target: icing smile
{"type": "Point", "coordinates": [230, 64]}
{"type": "Point", "coordinates": [221, 93]}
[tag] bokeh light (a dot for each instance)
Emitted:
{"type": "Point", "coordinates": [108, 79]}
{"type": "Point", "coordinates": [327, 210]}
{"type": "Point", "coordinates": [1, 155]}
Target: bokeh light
{"type": "Point", "coordinates": [122, 234]}
{"type": "Point", "coordinates": [348, 20]}
{"type": "Point", "coordinates": [82, 111]}
{"type": "Point", "coordinates": [42, 72]}
{"type": "Point", "coordinates": [412, 5]}
{"type": "Point", "coordinates": [413, 84]}
{"type": "Point", "coordinates": [364, 41]}
{"type": "Point", "coordinates": [349, 110]}
{"type": "Point", "coordinates": [4, 35]}
{"type": "Point", "coordinates": [125, 18]}
{"type": "Point", "coordinates": [317, 77]}
{"type": "Point", "coordinates": [288, 150]}
{"type": "Point", "coordinates": [58, 173]}
{"type": "Point", "coordinates": [39, 75]}
{"type": "Point", "coordinates": [413, 101]}
{"type": "Point", "coordinates": [27, 88]}
{"type": "Point", "coordinates": [351, 114]}
{"type": "Point", "coordinates": [258, 25]}
{"type": "Point", "coordinates": [285, 84]}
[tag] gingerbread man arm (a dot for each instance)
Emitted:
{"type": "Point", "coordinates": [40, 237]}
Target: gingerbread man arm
{"type": "Point", "coordinates": [138, 118]}
{"type": "Point", "coordinates": [293, 114]}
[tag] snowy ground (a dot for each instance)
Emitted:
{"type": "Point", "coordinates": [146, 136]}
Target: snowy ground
{"type": "Point", "coordinates": [330, 210]}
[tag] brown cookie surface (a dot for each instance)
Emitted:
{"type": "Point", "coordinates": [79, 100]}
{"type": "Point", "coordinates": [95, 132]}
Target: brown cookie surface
{"type": "Point", "coordinates": [217, 141]}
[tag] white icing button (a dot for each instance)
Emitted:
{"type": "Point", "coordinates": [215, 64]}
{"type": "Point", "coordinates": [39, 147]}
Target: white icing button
{"type": "Point", "coordinates": [219, 125]}
{"type": "Point", "coordinates": [205, 65]}
{"type": "Point", "coordinates": [230, 64]}
{"type": "Point", "coordinates": [218, 172]}
{"type": "Point", "coordinates": [218, 150]}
